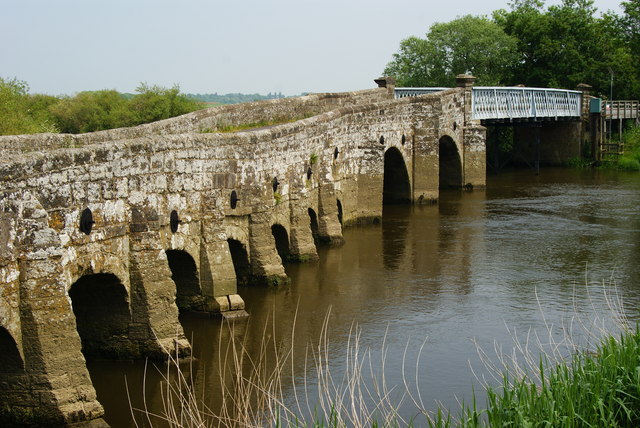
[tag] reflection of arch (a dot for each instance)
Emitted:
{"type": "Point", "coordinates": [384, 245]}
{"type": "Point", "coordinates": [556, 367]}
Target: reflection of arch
{"type": "Point", "coordinates": [395, 225]}
{"type": "Point", "coordinates": [184, 274]}
{"type": "Point", "coordinates": [240, 260]}
{"type": "Point", "coordinates": [102, 313]}
{"type": "Point", "coordinates": [339, 210]}
{"type": "Point", "coordinates": [450, 164]}
{"type": "Point", "coordinates": [282, 241]}
{"type": "Point", "coordinates": [313, 223]}
{"type": "Point", "coordinates": [396, 187]}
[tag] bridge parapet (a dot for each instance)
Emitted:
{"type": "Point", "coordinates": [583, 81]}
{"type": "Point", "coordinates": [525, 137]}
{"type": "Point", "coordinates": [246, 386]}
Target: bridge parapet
{"type": "Point", "coordinates": [524, 103]}
{"type": "Point", "coordinates": [509, 103]}
{"type": "Point", "coordinates": [414, 92]}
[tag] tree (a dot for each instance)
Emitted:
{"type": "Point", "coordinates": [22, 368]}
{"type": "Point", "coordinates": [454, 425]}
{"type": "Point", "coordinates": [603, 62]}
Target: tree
{"type": "Point", "coordinates": [154, 103]}
{"type": "Point", "coordinates": [93, 111]}
{"type": "Point", "coordinates": [470, 44]}
{"type": "Point", "coordinates": [21, 113]}
{"type": "Point", "coordinates": [566, 45]}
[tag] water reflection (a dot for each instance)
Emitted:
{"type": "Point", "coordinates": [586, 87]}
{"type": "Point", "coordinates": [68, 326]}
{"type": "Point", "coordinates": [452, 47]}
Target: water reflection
{"type": "Point", "coordinates": [453, 272]}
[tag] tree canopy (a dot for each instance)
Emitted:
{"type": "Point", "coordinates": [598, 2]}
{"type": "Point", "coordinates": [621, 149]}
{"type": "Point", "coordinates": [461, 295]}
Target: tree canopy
{"type": "Point", "coordinates": [559, 46]}
{"type": "Point", "coordinates": [469, 44]}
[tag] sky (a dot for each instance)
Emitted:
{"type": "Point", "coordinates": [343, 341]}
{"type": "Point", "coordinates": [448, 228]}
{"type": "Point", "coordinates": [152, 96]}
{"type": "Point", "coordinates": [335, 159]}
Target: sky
{"type": "Point", "coordinates": [207, 46]}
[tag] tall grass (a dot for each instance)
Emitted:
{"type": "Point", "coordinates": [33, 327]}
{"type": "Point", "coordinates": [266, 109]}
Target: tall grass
{"type": "Point", "coordinates": [630, 160]}
{"type": "Point", "coordinates": [585, 372]}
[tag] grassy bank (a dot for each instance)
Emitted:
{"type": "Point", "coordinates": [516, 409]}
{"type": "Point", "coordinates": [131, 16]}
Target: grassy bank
{"type": "Point", "coordinates": [630, 160]}
{"type": "Point", "coordinates": [600, 389]}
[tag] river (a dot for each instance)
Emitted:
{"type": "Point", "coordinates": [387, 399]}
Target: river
{"type": "Point", "coordinates": [432, 284]}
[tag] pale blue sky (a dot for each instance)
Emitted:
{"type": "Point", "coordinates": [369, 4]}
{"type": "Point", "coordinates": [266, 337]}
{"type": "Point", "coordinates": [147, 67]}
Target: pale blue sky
{"type": "Point", "coordinates": [289, 46]}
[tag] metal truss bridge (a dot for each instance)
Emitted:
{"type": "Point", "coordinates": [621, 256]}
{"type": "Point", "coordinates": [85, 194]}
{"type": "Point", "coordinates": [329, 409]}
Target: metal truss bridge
{"type": "Point", "coordinates": [507, 104]}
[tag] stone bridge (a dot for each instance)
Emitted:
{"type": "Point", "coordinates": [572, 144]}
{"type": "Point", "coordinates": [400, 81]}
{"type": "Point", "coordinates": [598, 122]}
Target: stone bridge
{"type": "Point", "coordinates": [105, 237]}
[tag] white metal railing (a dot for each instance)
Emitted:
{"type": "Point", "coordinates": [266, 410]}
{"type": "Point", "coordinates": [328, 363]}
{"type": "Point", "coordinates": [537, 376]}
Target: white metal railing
{"type": "Point", "coordinates": [414, 92]}
{"type": "Point", "coordinates": [503, 103]}
{"type": "Point", "coordinates": [524, 103]}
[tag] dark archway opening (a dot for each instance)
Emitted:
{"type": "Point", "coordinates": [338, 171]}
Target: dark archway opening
{"type": "Point", "coordinates": [396, 187]}
{"type": "Point", "coordinates": [339, 210]}
{"type": "Point", "coordinates": [240, 259]}
{"type": "Point", "coordinates": [184, 274]}
{"type": "Point", "coordinates": [450, 176]}
{"type": "Point", "coordinates": [313, 223]}
{"type": "Point", "coordinates": [282, 241]}
{"type": "Point", "coordinates": [12, 381]}
{"type": "Point", "coordinates": [10, 360]}
{"type": "Point", "coordinates": [102, 313]}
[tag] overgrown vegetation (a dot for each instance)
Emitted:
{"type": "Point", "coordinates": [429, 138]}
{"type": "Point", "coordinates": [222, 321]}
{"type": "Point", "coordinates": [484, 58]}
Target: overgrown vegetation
{"type": "Point", "coordinates": [24, 113]}
{"type": "Point", "coordinates": [599, 389]}
{"type": "Point", "coordinates": [630, 160]}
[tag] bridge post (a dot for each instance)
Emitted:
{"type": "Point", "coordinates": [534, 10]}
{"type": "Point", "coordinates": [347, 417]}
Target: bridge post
{"type": "Point", "coordinates": [302, 245]}
{"type": "Point", "coordinates": [153, 294]}
{"type": "Point", "coordinates": [266, 265]}
{"type": "Point", "coordinates": [218, 280]}
{"type": "Point", "coordinates": [329, 226]}
{"type": "Point", "coordinates": [474, 138]}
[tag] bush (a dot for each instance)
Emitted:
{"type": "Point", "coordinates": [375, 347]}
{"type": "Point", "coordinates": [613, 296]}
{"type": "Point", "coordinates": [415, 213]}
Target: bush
{"type": "Point", "coordinates": [21, 113]}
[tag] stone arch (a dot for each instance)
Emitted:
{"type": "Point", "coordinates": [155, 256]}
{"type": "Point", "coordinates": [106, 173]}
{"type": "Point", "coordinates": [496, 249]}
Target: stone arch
{"type": "Point", "coordinates": [240, 259]}
{"type": "Point", "coordinates": [101, 306]}
{"type": "Point", "coordinates": [184, 274]}
{"type": "Point", "coordinates": [450, 164]}
{"type": "Point", "coordinates": [313, 224]}
{"type": "Point", "coordinates": [281, 238]}
{"type": "Point", "coordinates": [396, 186]}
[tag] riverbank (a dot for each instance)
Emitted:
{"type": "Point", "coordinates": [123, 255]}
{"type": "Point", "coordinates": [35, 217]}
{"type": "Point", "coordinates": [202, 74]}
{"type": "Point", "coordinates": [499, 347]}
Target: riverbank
{"type": "Point", "coordinates": [592, 389]}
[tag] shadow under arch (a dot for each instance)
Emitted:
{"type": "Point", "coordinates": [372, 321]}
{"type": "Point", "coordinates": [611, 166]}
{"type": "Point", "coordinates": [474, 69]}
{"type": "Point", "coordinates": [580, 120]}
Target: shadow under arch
{"type": "Point", "coordinates": [396, 186]}
{"type": "Point", "coordinates": [184, 274]}
{"type": "Point", "coordinates": [101, 307]}
{"type": "Point", "coordinates": [450, 165]}
{"type": "Point", "coordinates": [281, 238]}
{"type": "Point", "coordinates": [339, 204]}
{"type": "Point", "coordinates": [313, 224]}
{"type": "Point", "coordinates": [10, 359]}
{"type": "Point", "coordinates": [240, 259]}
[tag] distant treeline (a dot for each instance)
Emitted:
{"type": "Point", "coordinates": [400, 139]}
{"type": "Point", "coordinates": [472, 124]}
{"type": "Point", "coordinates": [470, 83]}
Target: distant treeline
{"type": "Point", "coordinates": [24, 113]}
{"type": "Point", "coordinates": [88, 111]}
{"type": "Point", "coordinates": [233, 98]}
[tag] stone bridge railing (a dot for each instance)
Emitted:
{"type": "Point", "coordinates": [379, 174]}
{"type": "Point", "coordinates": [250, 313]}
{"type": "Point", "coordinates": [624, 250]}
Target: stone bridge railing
{"type": "Point", "coordinates": [514, 103]}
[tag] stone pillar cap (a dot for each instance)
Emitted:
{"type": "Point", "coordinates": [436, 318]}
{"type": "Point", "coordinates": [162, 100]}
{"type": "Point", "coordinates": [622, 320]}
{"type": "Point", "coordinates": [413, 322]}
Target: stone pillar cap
{"type": "Point", "coordinates": [465, 80]}
{"type": "Point", "coordinates": [385, 81]}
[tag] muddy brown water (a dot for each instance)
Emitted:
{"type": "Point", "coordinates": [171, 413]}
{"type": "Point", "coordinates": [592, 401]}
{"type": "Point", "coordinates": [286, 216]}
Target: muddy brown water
{"type": "Point", "coordinates": [528, 251]}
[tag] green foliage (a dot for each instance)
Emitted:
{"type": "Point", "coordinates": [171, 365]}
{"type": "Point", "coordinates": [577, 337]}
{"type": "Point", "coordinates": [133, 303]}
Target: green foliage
{"type": "Point", "coordinates": [155, 103]}
{"type": "Point", "coordinates": [92, 111]}
{"type": "Point", "coordinates": [559, 46]}
{"type": "Point", "coordinates": [21, 113]}
{"type": "Point", "coordinates": [630, 160]}
{"type": "Point", "coordinates": [470, 44]}
{"type": "Point", "coordinates": [568, 44]}
{"type": "Point", "coordinates": [593, 389]}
